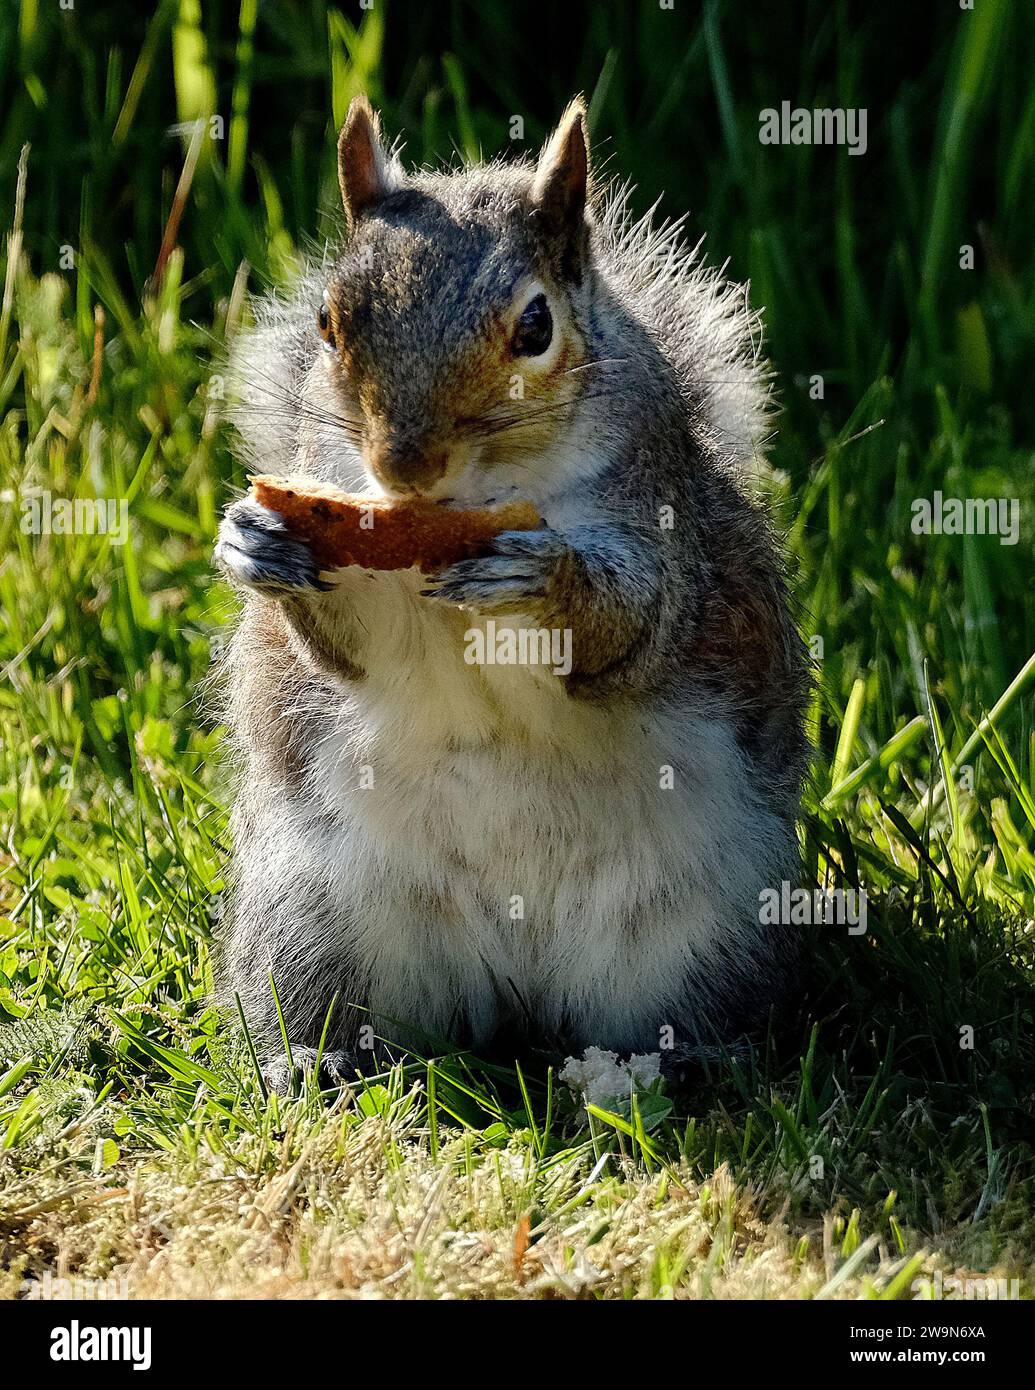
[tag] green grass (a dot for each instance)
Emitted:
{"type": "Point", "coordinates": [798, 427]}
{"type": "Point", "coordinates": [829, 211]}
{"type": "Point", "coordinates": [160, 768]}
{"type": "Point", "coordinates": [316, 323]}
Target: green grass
{"type": "Point", "coordinates": [874, 1139]}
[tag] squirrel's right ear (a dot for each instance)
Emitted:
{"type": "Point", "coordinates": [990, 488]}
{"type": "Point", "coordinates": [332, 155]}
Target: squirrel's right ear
{"type": "Point", "coordinates": [364, 168]}
{"type": "Point", "coordinates": [561, 187]}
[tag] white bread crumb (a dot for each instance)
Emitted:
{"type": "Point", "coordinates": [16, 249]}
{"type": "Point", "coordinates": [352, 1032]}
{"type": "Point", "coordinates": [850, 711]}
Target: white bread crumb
{"type": "Point", "coordinates": [602, 1078]}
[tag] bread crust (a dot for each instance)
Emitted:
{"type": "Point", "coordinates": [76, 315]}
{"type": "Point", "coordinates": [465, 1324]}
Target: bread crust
{"type": "Point", "coordinates": [346, 528]}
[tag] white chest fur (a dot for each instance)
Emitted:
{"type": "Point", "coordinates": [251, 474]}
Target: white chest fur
{"type": "Point", "coordinates": [498, 845]}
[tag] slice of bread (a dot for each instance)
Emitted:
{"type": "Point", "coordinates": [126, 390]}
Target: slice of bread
{"type": "Point", "coordinates": [345, 528]}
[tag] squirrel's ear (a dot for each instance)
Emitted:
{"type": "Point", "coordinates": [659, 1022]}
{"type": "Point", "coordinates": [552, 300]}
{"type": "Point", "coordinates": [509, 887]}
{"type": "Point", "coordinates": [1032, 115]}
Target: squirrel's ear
{"type": "Point", "coordinates": [561, 181]}
{"type": "Point", "coordinates": [363, 166]}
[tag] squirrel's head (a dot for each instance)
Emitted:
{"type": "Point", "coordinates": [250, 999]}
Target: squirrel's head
{"type": "Point", "coordinates": [454, 320]}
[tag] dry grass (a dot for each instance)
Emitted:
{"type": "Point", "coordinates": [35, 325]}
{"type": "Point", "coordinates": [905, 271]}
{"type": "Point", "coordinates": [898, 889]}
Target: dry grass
{"type": "Point", "coordinates": [347, 1207]}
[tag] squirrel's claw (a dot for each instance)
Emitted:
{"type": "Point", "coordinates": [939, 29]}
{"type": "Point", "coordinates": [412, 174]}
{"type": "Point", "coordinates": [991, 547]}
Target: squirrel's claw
{"type": "Point", "coordinates": [514, 576]}
{"type": "Point", "coordinates": [335, 1071]}
{"type": "Point", "coordinates": [256, 550]}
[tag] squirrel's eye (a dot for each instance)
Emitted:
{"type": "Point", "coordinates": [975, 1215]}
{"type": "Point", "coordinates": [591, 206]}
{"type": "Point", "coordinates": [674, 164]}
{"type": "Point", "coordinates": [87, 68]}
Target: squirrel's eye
{"type": "Point", "coordinates": [323, 323]}
{"type": "Point", "coordinates": [534, 329]}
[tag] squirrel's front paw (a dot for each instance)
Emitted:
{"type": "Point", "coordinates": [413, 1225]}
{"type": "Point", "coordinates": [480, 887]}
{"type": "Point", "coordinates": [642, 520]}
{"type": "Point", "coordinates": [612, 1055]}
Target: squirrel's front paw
{"type": "Point", "coordinates": [519, 574]}
{"type": "Point", "coordinates": [256, 550]}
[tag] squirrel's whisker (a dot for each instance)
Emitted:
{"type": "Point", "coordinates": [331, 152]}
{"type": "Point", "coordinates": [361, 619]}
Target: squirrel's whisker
{"type": "Point", "coordinates": [498, 424]}
{"type": "Point", "coordinates": [297, 406]}
{"type": "Point", "coordinates": [257, 410]}
{"type": "Point", "coordinates": [598, 362]}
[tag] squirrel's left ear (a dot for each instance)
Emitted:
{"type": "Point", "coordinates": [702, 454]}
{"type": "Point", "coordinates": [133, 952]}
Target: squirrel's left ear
{"type": "Point", "coordinates": [560, 189]}
{"type": "Point", "coordinates": [364, 167]}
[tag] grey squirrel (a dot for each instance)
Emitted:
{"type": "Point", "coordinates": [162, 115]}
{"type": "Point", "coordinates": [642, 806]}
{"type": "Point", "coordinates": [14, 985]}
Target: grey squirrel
{"type": "Point", "coordinates": [451, 850]}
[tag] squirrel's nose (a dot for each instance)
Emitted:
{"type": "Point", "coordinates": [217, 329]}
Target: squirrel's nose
{"type": "Point", "coordinates": [407, 467]}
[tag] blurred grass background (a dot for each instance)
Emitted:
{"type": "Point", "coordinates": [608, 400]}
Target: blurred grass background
{"type": "Point", "coordinates": [125, 267]}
